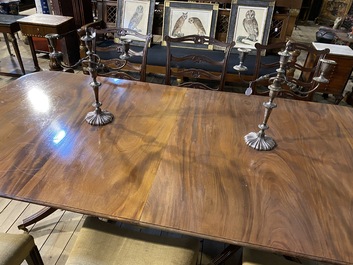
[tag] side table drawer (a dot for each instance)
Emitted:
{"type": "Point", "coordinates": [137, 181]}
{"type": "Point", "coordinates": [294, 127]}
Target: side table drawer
{"type": "Point", "coordinates": [39, 25]}
{"type": "Point", "coordinates": [37, 30]}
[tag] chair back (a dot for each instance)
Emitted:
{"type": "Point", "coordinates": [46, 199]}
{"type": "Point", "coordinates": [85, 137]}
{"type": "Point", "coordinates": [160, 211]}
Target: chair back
{"type": "Point", "coordinates": [303, 65]}
{"type": "Point", "coordinates": [125, 60]}
{"type": "Point", "coordinates": [197, 65]}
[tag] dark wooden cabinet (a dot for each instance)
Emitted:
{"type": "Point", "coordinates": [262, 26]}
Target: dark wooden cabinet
{"type": "Point", "coordinates": [80, 10]}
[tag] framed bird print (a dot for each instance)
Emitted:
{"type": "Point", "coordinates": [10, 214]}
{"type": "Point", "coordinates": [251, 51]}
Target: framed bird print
{"type": "Point", "coordinates": [136, 15]}
{"type": "Point", "coordinates": [250, 22]}
{"type": "Point", "coordinates": [189, 18]}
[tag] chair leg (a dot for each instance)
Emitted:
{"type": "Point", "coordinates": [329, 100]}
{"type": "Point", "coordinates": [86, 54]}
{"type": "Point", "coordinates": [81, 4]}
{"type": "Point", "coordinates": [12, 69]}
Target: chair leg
{"type": "Point", "coordinates": [34, 257]}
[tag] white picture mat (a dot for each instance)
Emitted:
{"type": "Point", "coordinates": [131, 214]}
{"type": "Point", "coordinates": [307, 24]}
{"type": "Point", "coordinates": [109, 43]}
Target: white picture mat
{"type": "Point", "coordinates": [188, 29]}
{"type": "Point", "coordinates": [260, 15]}
{"type": "Point", "coordinates": [129, 9]}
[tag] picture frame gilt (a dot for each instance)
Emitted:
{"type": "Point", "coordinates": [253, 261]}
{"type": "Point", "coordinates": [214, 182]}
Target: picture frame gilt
{"type": "Point", "coordinates": [332, 9]}
{"type": "Point", "coordinates": [189, 18]}
{"type": "Point", "coordinates": [250, 22]}
{"type": "Point", "coordinates": [136, 15]}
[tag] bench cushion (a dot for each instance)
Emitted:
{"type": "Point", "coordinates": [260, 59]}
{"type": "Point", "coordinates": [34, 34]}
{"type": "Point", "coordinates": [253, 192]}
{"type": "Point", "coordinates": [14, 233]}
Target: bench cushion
{"type": "Point", "coordinates": [101, 243]}
{"type": "Point", "coordinates": [157, 57]}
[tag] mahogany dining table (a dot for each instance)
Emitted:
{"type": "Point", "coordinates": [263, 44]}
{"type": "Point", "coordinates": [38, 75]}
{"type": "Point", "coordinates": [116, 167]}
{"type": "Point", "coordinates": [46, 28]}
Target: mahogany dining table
{"type": "Point", "coordinates": [175, 159]}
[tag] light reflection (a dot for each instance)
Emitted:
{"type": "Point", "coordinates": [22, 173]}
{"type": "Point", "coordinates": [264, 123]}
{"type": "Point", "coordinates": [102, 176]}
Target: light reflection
{"type": "Point", "coordinates": [59, 136]}
{"type": "Point", "coordinates": [39, 100]}
{"type": "Point", "coordinates": [116, 81]}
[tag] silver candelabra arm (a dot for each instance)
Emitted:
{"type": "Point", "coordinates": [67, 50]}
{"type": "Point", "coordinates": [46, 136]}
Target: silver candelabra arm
{"type": "Point", "coordinates": [56, 57]}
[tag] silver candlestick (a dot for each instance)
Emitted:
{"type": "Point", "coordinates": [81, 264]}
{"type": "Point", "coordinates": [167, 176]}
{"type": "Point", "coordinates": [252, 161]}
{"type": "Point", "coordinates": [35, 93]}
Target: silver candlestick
{"type": "Point", "coordinates": [125, 49]}
{"type": "Point", "coordinates": [242, 54]}
{"type": "Point", "coordinates": [55, 56]}
{"type": "Point", "coordinates": [97, 117]}
{"type": "Point", "coordinates": [259, 140]}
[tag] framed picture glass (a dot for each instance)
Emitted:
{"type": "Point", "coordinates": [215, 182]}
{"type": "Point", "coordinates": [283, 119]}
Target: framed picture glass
{"type": "Point", "coordinates": [136, 15]}
{"type": "Point", "coordinates": [188, 18]}
{"type": "Point", "coordinates": [250, 22]}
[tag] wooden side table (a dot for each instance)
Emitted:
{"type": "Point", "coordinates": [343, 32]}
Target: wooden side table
{"type": "Point", "coordinates": [38, 25]}
{"type": "Point", "coordinates": [343, 55]}
{"type": "Point", "coordinates": [9, 25]}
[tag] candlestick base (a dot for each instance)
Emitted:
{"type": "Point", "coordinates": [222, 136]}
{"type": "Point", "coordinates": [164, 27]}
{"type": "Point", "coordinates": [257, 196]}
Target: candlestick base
{"type": "Point", "coordinates": [99, 117]}
{"type": "Point", "coordinates": [259, 141]}
{"type": "Point", "coordinates": [240, 68]}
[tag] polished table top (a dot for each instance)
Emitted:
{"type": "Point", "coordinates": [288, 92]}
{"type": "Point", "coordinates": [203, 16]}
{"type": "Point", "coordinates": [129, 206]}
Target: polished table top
{"type": "Point", "coordinates": [9, 19]}
{"type": "Point", "coordinates": [175, 159]}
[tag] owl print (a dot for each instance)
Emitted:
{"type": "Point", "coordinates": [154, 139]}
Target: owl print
{"type": "Point", "coordinates": [179, 24]}
{"type": "Point", "coordinates": [136, 19]}
{"type": "Point", "coordinates": [198, 25]}
{"type": "Point", "coordinates": [250, 25]}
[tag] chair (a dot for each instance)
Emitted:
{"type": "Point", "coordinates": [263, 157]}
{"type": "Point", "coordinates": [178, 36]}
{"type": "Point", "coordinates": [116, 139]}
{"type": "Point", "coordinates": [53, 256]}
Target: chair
{"type": "Point", "coordinates": [127, 57]}
{"type": "Point", "coordinates": [15, 248]}
{"type": "Point", "coordinates": [103, 243]}
{"type": "Point", "coordinates": [122, 51]}
{"type": "Point", "coordinates": [303, 65]}
{"type": "Point", "coordinates": [195, 64]}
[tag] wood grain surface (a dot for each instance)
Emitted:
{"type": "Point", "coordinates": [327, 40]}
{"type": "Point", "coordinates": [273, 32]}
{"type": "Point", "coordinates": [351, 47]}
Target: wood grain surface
{"type": "Point", "coordinates": [175, 159]}
{"type": "Point", "coordinates": [105, 170]}
{"type": "Point", "coordinates": [296, 199]}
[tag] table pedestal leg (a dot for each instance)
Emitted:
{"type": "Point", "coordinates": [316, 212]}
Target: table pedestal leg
{"type": "Point", "coordinates": [226, 254]}
{"type": "Point", "coordinates": [46, 211]}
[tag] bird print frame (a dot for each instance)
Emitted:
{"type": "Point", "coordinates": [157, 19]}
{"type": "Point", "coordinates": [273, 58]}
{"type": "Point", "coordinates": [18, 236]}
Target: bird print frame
{"type": "Point", "coordinates": [189, 18]}
{"type": "Point", "coordinates": [250, 23]}
{"type": "Point", "coordinates": [136, 15]}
